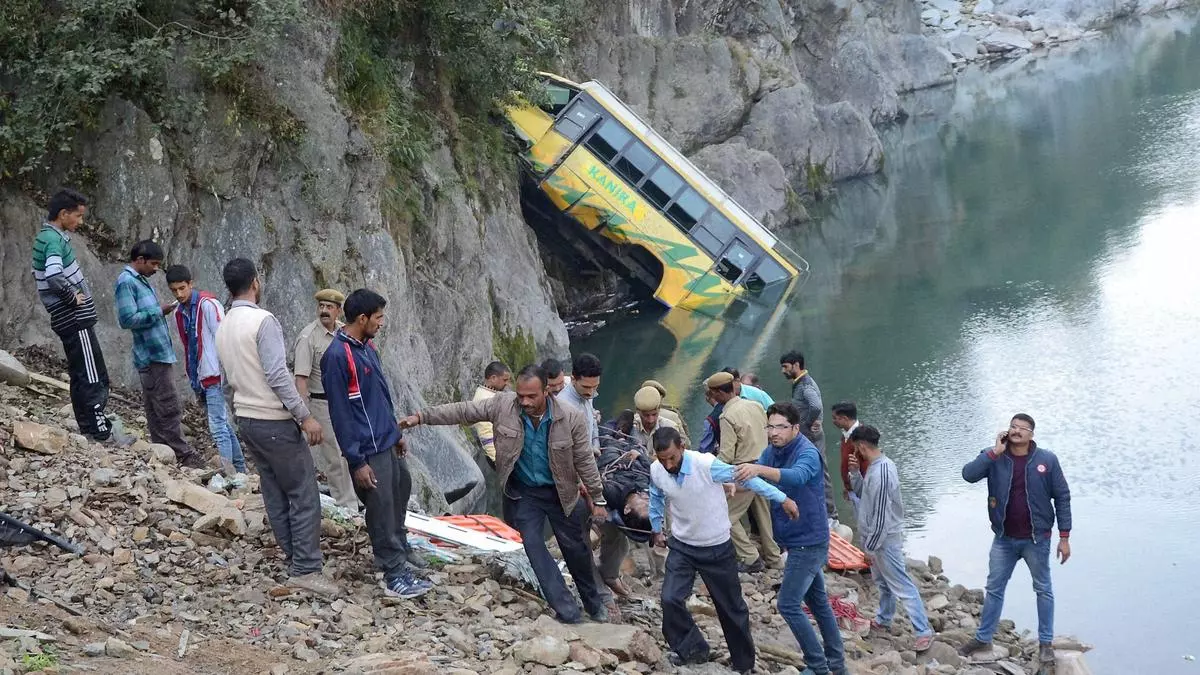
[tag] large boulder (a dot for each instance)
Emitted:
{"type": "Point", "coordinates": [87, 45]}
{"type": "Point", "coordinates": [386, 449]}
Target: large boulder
{"type": "Point", "coordinates": [754, 178]}
{"type": "Point", "coordinates": [39, 437]}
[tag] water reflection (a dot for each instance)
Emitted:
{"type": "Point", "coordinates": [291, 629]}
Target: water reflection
{"type": "Point", "coordinates": [1031, 249]}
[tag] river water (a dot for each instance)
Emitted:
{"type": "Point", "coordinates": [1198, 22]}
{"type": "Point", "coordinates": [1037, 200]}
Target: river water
{"type": "Point", "coordinates": [1033, 246]}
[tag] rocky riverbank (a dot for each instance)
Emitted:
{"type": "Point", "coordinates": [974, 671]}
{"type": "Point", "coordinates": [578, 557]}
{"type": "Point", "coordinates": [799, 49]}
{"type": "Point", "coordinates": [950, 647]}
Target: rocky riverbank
{"type": "Point", "coordinates": [982, 30]}
{"type": "Point", "coordinates": [179, 579]}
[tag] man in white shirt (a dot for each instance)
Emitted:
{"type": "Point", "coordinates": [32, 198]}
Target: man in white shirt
{"type": "Point", "coordinates": [689, 485]}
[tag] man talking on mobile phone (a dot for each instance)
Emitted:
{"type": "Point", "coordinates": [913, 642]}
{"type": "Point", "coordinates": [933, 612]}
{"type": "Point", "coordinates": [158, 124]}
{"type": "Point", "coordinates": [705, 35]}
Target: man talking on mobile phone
{"type": "Point", "coordinates": [1026, 492]}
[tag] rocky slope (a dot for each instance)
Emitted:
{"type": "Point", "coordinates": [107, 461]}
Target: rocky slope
{"type": "Point", "coordinates": [178, 579]}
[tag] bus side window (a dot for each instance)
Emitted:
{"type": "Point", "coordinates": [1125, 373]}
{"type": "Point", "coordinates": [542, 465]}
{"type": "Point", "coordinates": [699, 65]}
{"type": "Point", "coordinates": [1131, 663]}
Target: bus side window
{"type": "Point", "coordinates": [661, 185]}
{"type": "Point", "coordinates": [767, 273]}
{"type": "Point", "coordinates": [608, 140]}
{"type": "Point", "coordinates": [688, 208]}
{"type": "Point", "coordinates": [578, 117]}
{"type": "Point", "coordinates": [734, 262]}
{"type": "Point", "coordinates": [634, 163]}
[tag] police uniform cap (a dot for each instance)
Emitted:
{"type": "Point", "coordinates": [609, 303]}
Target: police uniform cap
{"type": "Point", "coordinates": [647, 399]}
{"type": "Point", "coordinates": [718, 380]}
{"type": "Point", "coordinates": [662, 391]}
{"type": "Point", "coordinates": [330, 295]}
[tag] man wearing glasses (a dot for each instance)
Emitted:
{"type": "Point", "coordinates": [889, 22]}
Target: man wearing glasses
{"type": "Point", "coordinates": [1026, 491]}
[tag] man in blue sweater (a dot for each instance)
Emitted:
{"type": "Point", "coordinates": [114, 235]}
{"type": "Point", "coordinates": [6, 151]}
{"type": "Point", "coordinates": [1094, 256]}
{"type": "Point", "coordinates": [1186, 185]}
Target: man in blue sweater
{"type": "Point", "coordinates": [364, 421]}
{"type": "Point", "coordinates": [1022, 480]}
{"type": "Point", "coordinates": [793, 463]}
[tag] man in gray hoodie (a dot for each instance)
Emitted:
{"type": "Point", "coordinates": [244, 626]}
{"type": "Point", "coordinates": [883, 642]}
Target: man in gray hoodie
{"type": "Point", "coordinates": [881, 527]}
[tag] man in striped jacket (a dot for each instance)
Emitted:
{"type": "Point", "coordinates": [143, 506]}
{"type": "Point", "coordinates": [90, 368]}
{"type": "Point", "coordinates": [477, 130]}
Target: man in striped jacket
{"type": "Point", "coordinates": [881, 527]}
{"type": "Point", "coordinates": [67, 297]}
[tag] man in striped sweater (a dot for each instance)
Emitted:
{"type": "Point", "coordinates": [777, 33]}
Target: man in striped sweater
{"type": "Point", "coordinates": [67, 297]}
{"type": "Point", "coordinates": [881, 526]}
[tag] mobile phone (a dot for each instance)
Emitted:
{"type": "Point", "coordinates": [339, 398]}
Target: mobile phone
{"type": "Point", "coordinates": [1004, 437]}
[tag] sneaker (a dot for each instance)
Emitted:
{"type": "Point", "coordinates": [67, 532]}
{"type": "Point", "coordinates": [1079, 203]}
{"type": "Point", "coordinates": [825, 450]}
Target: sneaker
{"type": "Point", "coordinates": [405, 586]}
{"type": "Point", "coordinates": [1046, 653]}
{"type": "Point", "coordinates": [315, 583]}
{"type": "Point", "coordinates": [693, 660]}
{"type": "Point", "coordinates": [922, 643]}
{"type": "Point", "coordinates": [880, 627]}
{"type": "Point", "coordinates": [600, 616]}
{"type": "Point", "coordinates": [973, 646]}
{"type": "Point", "coordinates": [753, 568]}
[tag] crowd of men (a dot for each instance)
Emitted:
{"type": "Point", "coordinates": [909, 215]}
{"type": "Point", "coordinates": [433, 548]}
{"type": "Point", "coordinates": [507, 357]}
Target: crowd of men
{"type": "Point", "coordinates": [759, 464]}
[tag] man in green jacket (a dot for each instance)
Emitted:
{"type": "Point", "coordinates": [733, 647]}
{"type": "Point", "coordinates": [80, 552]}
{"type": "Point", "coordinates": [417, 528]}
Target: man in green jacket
{"type": "Point", "coordinates": [543, 453]}
{"type": "Point", "coordinates": [67, 297]}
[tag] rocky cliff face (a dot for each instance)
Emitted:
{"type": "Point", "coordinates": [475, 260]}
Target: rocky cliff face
{"type": "Point", "coordinates": [461, 273]}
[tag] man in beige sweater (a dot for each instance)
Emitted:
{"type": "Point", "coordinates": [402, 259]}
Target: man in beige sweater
{"type": "Point", "coordinates": [496, 377]}
{"type": "Point", "coordinates": [275, 425]}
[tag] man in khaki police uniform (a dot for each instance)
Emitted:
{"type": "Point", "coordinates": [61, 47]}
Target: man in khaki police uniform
{"type": "Point", "coordinates": [650, 418]}
{"type": "Point", "coordinates": [310, 347]}
{"type": "Point", "coordinates": [668, 411]}
{"type": "Point", "coordinates": [743, 438]}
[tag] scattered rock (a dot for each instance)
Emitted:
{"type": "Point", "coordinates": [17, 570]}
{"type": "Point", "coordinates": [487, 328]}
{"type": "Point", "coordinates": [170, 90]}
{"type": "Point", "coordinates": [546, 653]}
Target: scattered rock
{"type": "Point", "coordinates": [937, 602]}
{"type": "Point", "coordinates": [544, 649]}
{"type": "Point", "coordinates": [77, 625]}
{"type": "Point", "coordinates": [390, 663]}
{"type": "Point", "coordinates": [12, 371]}
{"type": "Point", "coordinates": [117, 648]}
{"type": "Point", "coordinates": [39, 437]}
{"type": "Point", "coordinates": [935, 564]}
{"type": "Point", "coordinates": [1005, 40]}
{"type": "Point", "coordinates": [105, 477]}
{"type": "Point", "coordinates": [93, 649]}
{"type": "Point", "coordinates": [163, 454]}
{"type": "Point", "coordinates": [942, 653]}
{"type": "Point", "coordinates": [196, 496]}
{"type": "Point", "coordinates": [301, 652]}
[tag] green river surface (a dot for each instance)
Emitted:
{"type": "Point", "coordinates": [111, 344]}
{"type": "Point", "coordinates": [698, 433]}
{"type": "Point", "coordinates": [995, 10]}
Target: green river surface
{"type": "Point", "coordinates": [1033, 245]}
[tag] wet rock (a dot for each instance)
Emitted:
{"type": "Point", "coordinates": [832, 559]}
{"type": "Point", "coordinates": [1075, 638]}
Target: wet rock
{"type": "Point", "coordinates": [544, 649]}
{"type": "Point", "coordinates": [39, 437]}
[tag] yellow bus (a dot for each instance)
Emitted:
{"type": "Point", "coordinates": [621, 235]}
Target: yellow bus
{"type": "Point", "coordinates": [604, 183]}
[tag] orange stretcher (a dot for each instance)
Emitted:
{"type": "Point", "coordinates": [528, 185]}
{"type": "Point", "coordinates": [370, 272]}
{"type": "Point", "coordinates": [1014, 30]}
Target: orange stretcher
{"type": "Point", "coordinates": [844, 556]}
{"type": "Point", "coordinates": [485, 524]}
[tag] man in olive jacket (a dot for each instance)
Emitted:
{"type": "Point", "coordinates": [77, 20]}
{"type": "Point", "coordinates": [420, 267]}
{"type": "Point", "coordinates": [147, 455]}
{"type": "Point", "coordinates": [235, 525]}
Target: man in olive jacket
{"type": "Point", "coordinates": [543, 453]}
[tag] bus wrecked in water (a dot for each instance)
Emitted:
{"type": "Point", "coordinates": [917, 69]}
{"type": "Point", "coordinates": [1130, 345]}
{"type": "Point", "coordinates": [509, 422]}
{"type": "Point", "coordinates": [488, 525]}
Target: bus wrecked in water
{"type": "Point", "coordinates": [603, 186]}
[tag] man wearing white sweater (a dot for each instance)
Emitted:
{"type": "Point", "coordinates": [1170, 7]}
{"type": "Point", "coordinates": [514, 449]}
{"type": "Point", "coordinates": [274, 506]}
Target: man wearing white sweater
{"type": "Point", "coordinates": [689, 485]}
{"type": "Point", "coordinates": [881, 526]}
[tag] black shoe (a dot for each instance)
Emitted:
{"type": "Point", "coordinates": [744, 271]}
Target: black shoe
{"type": "Point", "coordinates": [193, 461]}
{"type": "Point", "coordinates": [753, 568]}
{"type": "Point", "coordinates": [693, 660]}
{"type": "Point", "coordinates": [973, 646]}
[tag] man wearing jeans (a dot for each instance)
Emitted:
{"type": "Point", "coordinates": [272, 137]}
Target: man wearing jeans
{"type": "Point", "coordinates": [139, 312]}
{"type": "Point", "coordinates": [197, 318]}
{"type": "Point", "coordinates": [881, 527]}
{"type": "Point", "coordinates": [275, 425]}
{"type": "Point", "coordinates": [690, 485]}
{"type": "Point", "coordinates": [793, 462]}
{"type": "Point", "coordinates": [1027, 491]}
{"type": "Point", "coordinates": [543, 453]}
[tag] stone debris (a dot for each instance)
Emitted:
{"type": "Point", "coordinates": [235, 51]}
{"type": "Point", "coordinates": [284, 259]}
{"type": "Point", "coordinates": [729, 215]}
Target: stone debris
{"type": "Point", "coordinates": [166, 554]}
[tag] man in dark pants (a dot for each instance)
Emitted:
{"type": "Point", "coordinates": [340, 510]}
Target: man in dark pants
{"type": "Point", "coordinates": [140, 312]}
{"type": "Point", "coordinates": [543, 453]}
{"type": "Point", "coordinates": [67, 297]}
{"type": "Point", "coordinates": [364, 419]}
{"type": "Point", "coordinates": [806, 396]}
{"type": "Point", "coordinates": [274, 424]}
{"type": "Point", "coordinates": [689, 484]}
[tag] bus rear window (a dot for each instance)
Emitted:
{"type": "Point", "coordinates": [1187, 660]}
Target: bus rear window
{"type": "Point", "coordinates": [608, 140]}
{"type": "Point", "coordinates": [557, 98]}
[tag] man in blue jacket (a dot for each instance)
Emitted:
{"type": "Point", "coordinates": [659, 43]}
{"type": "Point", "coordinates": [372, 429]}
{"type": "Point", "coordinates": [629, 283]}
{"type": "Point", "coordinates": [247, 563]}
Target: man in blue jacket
{"type": "Point", "coordinates": [1026, 486]}
{"type": "Point", "coordinates": [793, 463]}
{"type": "Point", "coordinates": [364, 421]}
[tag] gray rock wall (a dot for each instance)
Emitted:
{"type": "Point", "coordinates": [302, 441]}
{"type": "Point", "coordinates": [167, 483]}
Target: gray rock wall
{"type": "Point", "coordinates": [310, 215]}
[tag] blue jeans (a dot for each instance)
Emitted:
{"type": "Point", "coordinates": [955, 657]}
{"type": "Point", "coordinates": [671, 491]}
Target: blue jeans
{"type": "Point", "coordinates": [1001, 561]}
{"type": "Point", "coordinates": [804, 581]}
{"type": "Point", "coordinates": [890, 573]}
{"type": "Point", "coordinates": [218, 425]}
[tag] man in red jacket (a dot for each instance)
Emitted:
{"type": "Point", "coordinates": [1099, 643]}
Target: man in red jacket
{"type": "Point", "coordinates": [845, 417]}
